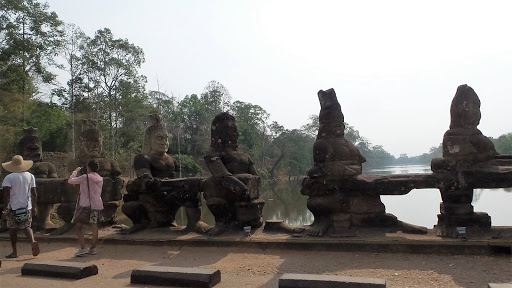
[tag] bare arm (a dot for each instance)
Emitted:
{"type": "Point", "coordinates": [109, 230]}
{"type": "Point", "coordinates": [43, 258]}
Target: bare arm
{"type": "Point", "coordinates": [7, 197]}
{"type": "Point", "coordinates": [34, 201]}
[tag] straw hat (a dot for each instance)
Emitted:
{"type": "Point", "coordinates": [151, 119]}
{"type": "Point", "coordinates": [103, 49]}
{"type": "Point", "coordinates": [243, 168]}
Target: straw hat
{"type": "Point", "coordinates": [18, 164]}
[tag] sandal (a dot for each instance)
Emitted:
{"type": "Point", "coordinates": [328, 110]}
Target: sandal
{"type": "Point", "coordinates": [35, 249]}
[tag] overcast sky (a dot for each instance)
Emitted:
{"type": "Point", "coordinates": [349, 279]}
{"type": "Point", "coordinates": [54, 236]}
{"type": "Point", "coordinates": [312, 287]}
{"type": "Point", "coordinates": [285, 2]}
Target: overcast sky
{"type": "Point", "coordinates": [395, 65]}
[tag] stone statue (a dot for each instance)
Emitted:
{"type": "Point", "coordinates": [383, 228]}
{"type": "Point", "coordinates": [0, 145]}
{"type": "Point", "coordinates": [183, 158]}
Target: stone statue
{"type": "Point", "coordinates": [334, 157]}
{"type": "Point", "coordinates": [464, 145]}
{"type": "Point", "coordinates": [90, 146]}
{"type": "Point", "coordinates": [146, 204]}
{"type": "Point", "coordinates": [465, 150]}
{"type": "Point", "coordinates": [30, 148]}
{"type": "Point", "coordinates": [231, 192]}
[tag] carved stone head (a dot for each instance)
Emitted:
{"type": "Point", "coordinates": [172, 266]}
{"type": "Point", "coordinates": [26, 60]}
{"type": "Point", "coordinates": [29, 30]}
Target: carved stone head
{"type": "Point", "coordinates": [29, 146]}
{"type": "Point", "coordinates": [90, 141]}
{"type": "Point", "coordinates": [331, 119]}
{"type": "Point", "coordinates": [156, 138]}
{"type": "Point", "coordinates": [224, 132]}
{"type": "Point", "coordinates": [465, 109]}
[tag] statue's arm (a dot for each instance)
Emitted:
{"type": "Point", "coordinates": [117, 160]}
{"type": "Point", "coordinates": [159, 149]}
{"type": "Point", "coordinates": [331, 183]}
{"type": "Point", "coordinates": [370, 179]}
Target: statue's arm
{"type": "Point", "coordinates": [252, 168]}
{"type": "Point", "coordinates": [52, 172]}
{"type": "Point", "coordinates": [115, 170]}
{"type": "Point", "coordinates": [176, 167]}
{"type": "Point", "coordinates": [141, 165]}
{"type": "Point", "coordinates": [216, 166]}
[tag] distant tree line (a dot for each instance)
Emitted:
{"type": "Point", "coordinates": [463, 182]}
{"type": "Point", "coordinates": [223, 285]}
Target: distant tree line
{"type": "Point", "coordinates": [104, 83]}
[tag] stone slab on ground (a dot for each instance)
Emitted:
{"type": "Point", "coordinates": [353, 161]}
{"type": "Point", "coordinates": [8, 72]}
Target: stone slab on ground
{"type": "Point", "coordinates": [329, 281]}
{"type": "Point", "coordinates": [175, 276]}
{"type": "Point", "coordinates": [59, 269]}
{"type": "Point", "coordinates": [500, 285]}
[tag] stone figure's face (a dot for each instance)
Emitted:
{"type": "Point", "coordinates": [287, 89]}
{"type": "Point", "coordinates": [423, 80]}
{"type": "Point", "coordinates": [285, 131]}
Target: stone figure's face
{"type": "Point", "coordinates": [93, 149]}
{"type": "Point", "coordinates": [159, 142]}
{"type": "Point", "coordinates": [470, 111]}
{"type": "Point", "coordinates": [32, 151]}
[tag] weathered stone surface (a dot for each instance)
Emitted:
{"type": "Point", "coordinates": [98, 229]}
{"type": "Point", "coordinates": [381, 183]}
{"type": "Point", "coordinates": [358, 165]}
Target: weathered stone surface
{"type": "Point", "coordinates": [232, 192]}
{"type": "Point", "coordinates": [469, 161]}
{"type": "Point", "coordinates": [59, 269]}
{"type": "Point", "coordinates": [328, 281]}
{"type": "Point", "coordinates": [154, 197]}
{"type": "Point", "coordinates": [89, 146]}
{"type": "Point", "coordinates": [175, 276]}
{"type": "Point", "coordinates": [30, 148]}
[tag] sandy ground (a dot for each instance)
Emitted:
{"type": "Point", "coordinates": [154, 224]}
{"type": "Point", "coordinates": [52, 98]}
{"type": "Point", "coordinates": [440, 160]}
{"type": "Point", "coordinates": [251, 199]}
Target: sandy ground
{"type": "Point", "coordinates": [243, 267]}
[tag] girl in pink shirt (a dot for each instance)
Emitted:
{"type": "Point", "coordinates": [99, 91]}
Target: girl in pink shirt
{"type": "Point", "coordinates": [90, 196]}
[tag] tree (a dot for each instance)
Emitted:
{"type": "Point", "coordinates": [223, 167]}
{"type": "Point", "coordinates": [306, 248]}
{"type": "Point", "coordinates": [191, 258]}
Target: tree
{"type": "Point", "coordinates": [52, 123]}
{"type": "Point", "coordinates": [110, 62]}
{"type": "Point", "coordinates": [215, 98]}
{"type": "Point", "coordinates": [311, 128]}
{"type": "Point", "coordinates": [503, 143]}
{"type": "Point", "coordinates": [30, 38]}
{"type": "Point", "coordinates": [251, 123]}
{"type": "Point", "coordinates": [74, 45]}
{"type": "Point", "coordinates": [194, 125]}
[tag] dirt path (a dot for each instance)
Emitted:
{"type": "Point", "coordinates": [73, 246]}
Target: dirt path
{"type": "Point", "coordinates": [242, 267]}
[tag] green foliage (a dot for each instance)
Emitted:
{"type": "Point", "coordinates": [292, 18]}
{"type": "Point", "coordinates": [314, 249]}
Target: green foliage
{"type": "Point", "coordinates": [503, 144]}
{"type": "Point", "coordinates": [251, 123]}
{"type": "Point", "coordinates": [189, 168]}
{"type": "Point", "coordinates": [52, 123]}
{"type": "Point", "coordinates": [31, 37]}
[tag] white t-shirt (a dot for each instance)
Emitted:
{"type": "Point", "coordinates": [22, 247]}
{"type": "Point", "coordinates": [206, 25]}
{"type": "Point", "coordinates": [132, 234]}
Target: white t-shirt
{"type": "Point", "coordinates": [21, 184]}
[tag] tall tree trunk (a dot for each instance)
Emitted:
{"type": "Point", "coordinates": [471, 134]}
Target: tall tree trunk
{"type": "Point", "coordinates": [277, 163]}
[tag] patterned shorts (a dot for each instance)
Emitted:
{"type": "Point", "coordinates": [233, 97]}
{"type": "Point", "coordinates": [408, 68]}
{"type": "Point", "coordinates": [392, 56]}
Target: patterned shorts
{"type": "Point", "coordinates": [95, 217]}
{"type": "Point", "coordinates": [13, 224]}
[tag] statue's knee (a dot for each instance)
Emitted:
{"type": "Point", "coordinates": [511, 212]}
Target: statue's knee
{"type": "Point", "coordinates": [131, 208]}
{"type": "Point", "coordinates": [322, 204]}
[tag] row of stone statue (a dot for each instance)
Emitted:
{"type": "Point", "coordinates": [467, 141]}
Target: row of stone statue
{"type": "Point", "coordinates": [340, 197]}
{"type": "Point", "coordinates": [152, 199]}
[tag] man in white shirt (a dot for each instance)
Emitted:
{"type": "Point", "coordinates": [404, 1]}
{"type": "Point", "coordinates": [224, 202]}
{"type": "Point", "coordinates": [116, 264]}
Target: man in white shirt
{"type": "Point", "coordinates": [20, 198]}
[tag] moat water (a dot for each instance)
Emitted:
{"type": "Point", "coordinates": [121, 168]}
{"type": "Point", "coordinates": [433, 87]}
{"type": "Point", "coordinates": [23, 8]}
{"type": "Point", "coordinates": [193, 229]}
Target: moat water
{"type": "Point", "coordinates": [419, 207]}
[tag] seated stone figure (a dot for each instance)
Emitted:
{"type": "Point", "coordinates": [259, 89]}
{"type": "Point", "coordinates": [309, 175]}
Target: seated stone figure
{"type": "Point", "coordinates": [465, 149]}
{"type": "Point", "coordinates": [334, 157]}
{"type": "Point", "coordinates": [464, 145]}
{"type": "Point", "coordinates": [89, 147]}
{"type": "Point", "coordinates": [30, 148]}
{"type": "Point", "coordinates": [232, 192]}
{"type": "Point", "coordinates": [145, 204]}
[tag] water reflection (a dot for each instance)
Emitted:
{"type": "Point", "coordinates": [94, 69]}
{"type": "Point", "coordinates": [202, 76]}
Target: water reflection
{"type": "Point", "coordinates": [420, 207]}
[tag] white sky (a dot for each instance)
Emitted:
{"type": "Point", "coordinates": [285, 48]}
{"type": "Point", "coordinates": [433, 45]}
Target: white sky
{"type": "Point", "coordinates": [395, 65]}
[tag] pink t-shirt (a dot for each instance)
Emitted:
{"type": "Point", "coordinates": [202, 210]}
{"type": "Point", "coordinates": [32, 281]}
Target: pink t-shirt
{"type": "Point", "coordinates": [95, 186]}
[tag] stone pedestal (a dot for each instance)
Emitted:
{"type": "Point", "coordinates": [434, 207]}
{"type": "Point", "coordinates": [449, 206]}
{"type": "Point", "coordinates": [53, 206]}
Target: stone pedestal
{"type": "Point", "coordinates": [250, 213]}
{"type": "Point", "coordinates": [476, 224]}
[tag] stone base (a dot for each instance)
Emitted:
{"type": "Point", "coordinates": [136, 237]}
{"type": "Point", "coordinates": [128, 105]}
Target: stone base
{"type": "Point", "coordinates": [328, 281]}
{"type": "Point", "coordinates": [175, 276]}
{"type": "Point", "coordinates": [109, 212]}
{"type": "Point", "coordinates": [250, 214]}
{"type": "Point", "coordinates": [42, 222]}
{"type": "Point", "coordinates": [345, 224]}
{"type": "Point", "coordinates": [476, 224]}
{"type": "Point", "coordinates": [59, 269]}
{"type": "Point", "coordinates": [281, 226]}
